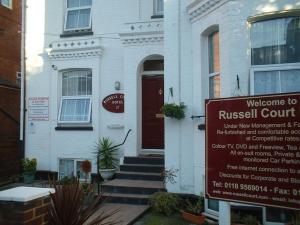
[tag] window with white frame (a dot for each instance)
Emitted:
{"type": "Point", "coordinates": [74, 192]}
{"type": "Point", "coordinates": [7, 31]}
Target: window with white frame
{"type": "Point", "coordinates": [76, 102]}
{"type": "Point", "coordinates": [6, 3]}
{"type": "Point", "coordinates": [158, 7]}
{"type": "Point", "coordinates": [78, 15]}
{"type": "Point", "coordinates": [214, 65]}
{"type": "Point", "coordinates": [72, 168]}
{"type": "Point", "coordinates": [275, 59]}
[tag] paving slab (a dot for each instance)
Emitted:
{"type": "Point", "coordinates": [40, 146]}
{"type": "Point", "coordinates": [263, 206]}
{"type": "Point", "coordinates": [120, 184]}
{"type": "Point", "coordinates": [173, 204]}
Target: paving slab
{"type": "Point", "coordinates": [126, 214]}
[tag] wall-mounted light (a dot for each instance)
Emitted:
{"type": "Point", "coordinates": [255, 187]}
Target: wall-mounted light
{"type": "Point", "coordinates": [117, 85]}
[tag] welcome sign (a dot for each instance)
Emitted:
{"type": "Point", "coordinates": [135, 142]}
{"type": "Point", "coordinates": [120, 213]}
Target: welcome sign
{"type": "Point", "coordinates": [253, 150]}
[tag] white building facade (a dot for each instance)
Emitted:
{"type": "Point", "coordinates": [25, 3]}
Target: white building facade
{"type": "Point", "coordinates": [154, 52]}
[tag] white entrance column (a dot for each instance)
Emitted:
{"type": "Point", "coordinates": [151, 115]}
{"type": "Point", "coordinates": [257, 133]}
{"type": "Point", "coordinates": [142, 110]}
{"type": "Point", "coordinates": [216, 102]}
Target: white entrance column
{"type": "Point", "coordinates": [224, 213]}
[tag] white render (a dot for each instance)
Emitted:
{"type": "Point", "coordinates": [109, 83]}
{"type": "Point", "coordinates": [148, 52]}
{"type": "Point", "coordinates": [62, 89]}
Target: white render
{"type": "Point", "coordinates": [124, 37]}
{"type": "Point", "coordinates": [24, 194]}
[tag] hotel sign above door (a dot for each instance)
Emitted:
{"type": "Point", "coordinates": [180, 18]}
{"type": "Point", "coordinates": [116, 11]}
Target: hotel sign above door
{"type": "Point", "coordinates": [253, 150]}
{"type": "Point", "coordinates": [114, 103]}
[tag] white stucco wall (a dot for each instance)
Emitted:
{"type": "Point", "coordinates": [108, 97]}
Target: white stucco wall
{"type": "Point", "coordinates": [114, 63]}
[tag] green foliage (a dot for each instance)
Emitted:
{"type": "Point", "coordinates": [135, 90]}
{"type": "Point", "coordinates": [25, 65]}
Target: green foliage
{"type": "Point", "coordinates": [107, 153]}
{"type": "Point", "coordinates": [195, 208]}
{"type": "Point", "coordinates": [249, 220]}
{"type": "Point", "coordinates": [153, 218]}
{"type": "Point", "coordinates": [68, 206]}
{"type": "Point", "coordinates": [67, 180]}
{"type": "Point", "coordinates": [29, 165]}
{"type": "Point", "coordinates": [173, 110]}
{"type": "Point", "coordinates": [165, 203]}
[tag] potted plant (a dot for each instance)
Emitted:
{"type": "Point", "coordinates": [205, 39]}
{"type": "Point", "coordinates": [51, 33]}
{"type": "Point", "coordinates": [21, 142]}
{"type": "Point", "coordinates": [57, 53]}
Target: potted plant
{"type": "Point", "coordinates": [173, 110]}
{"type": "Point", "coordinates": [29, 169]}
{"type": "Point", "coordinates": [107, 154]}
{"type": "Point", "coordinates": [193, 211]}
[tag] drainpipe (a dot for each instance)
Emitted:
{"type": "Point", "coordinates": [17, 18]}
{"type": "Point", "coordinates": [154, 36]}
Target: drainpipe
{"type": "Point", "coordinates": [23, 79]}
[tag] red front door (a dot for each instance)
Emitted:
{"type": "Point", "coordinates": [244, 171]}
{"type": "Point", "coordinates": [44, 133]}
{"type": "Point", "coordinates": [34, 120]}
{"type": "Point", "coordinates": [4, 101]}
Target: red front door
{"type": "Point", "coordinates": [152, 120]}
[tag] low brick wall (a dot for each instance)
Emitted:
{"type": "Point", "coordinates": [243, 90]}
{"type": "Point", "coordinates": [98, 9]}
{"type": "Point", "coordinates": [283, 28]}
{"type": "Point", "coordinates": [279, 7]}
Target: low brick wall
{"type": "Point", "coordinates": [34, 212]}
{"type": "Point", "coordinates": [19, 212]}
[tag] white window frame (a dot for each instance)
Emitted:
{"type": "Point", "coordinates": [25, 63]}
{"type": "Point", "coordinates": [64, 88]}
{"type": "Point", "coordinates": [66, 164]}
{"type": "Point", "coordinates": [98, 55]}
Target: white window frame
{"type": "Point", "coordinates": [156, 12]}
{"type": "Point", "coordinates": [75, 98]}
{"type": "Point", "coordinates": [7, 6]}
{"type": "Point", "coordinates": [75, 160]}
{"type": "Point", "coordinates": [77, 9]}
{"type": "Point", "coordinates": [271, 67]}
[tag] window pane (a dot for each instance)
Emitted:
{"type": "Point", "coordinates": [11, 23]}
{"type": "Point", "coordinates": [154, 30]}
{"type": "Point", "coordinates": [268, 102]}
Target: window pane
{"type": "Point", "coordinates": [213, 51]}
{"type": "Point", "coordinates": [72, 3]}
{"type": "Point", "coordinates": [213, 204]}
{"type": "Point", "coordinates": [271, 82]}
{"type": "Point", "coordinates": [6, 3]}
{"type": "Point", "coordinates": [159, 4]}
{"type": "Point", "coordinates": [290, 81]}
{"type": "Point", "coordinates": [79, 171]}
{"type": "Point", "coordinates": [266, 82]}
{"type": "Point", "coordinates": [214, 86]}
{"type": "Point", "coordinates": [66, 168]}
{"type": "Point", "coordinates": [278, 215]}
{"type": "Point", "coordinates": [72, 18]}
{"type": "Point", "coordinates": [84, 18]}
{"type": "Point", "coordinates": [282, 43]}
{"type": "Point", "coordinates": [76, 83]}
{"type": "Point", "coordinates": [75, 110]}
{"type": "Point", "coordinates": [85, 2]}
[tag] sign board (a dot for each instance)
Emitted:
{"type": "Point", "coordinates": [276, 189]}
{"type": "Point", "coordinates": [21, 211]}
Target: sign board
{"type": "Point", "coordinates": [114, 103]}
{"type": "Point", "coordinates": [38, 108]}
{"type": "Point", "coordinates": [253, 150]}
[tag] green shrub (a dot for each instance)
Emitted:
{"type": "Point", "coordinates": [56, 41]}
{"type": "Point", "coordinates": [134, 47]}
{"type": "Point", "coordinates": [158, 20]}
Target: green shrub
{"type": "Point", "coordinates": [165, 203]}
{"type": "Point", "coordinates": [29, 165]}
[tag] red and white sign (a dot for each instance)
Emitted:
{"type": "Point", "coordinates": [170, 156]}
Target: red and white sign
{"type": "Point", "coordinates": [114, 103]}
{"type": "Point", "coordinates": [38, 108]}
{"type": "Point", "coordinates": [253, 150]}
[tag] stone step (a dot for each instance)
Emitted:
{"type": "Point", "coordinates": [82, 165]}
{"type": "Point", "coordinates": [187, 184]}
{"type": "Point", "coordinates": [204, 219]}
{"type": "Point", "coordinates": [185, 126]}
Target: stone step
{"type": "Point", "coordinates": [144, 160]}
{"type": "Point", "coordinates": [139, 176]}
{"type": "Point", "coordinates": [136, 199]}
{"type": "Point", "coordinates": [146, 168]}
{"type": "Point", "coordinates": [125, 186]}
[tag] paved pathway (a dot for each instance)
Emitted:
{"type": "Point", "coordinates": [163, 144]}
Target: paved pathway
{"type": "Point", "coordinates": [127, 213]}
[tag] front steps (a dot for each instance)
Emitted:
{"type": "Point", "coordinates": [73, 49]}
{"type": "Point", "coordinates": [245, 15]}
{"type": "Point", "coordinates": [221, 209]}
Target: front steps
{"type": "Point", "coordinates": [138, 179]}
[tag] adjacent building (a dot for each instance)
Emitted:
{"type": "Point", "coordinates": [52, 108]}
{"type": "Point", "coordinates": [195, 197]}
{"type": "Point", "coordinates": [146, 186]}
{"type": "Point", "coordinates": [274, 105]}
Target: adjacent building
{"type": "Point", "coordinates": [10, 67]}
{"type": "Point", "coordinates": [153, 52]}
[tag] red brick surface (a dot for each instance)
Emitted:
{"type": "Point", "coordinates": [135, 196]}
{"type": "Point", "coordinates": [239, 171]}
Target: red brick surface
{"type": "Point", "coordinates": [10, 58]}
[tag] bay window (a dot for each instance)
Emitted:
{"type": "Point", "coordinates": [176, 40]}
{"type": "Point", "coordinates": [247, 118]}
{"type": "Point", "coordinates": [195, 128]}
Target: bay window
{"type": "Point", "coordinates": [275, 59]}
{"type": "Point", "coordinates": [275, 56]}
{"type": "Point", "coordinates": [76, 102]}
{"type": "Point", "coordinates": [78, 15]}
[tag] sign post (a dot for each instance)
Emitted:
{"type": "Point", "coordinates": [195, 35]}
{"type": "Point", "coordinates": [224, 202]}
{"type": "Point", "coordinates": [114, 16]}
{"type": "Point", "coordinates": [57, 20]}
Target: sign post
{"type": "Point", "coordinates": [253, 150]}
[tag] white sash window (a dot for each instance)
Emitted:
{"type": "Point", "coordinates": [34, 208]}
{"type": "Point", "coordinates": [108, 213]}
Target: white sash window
{"type": "Point", "coordinates": [76, 103]}
{"type": "Point", "coordinates": [275, 56]}
{"type": "Point", "coordinates": [158, 7]}
{"type": "Point", "coordinates": [78, 15]}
